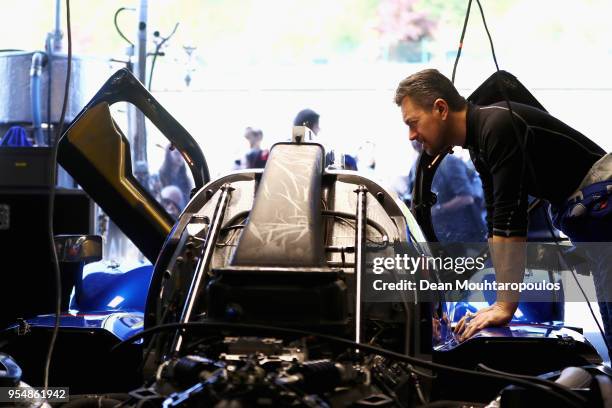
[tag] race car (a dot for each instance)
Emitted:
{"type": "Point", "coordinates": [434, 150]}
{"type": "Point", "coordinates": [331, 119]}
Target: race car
{"type": "Point", "coordinates": [261, 293]}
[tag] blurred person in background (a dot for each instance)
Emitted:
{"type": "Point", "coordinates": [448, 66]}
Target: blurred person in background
{"type": "Point", "coordinates": [458, 215]}
{"type": "Point", "coordinates": [255, 157]}
{"type": "Point", "coordinates": [172, 200]}
{"type": "Point", "coordinates": [150, 182]}
{"type": "Point", "coordinates": [366, 158]}
{"type": "Point", "coordinates": [310, 119]}
{"type": "Point", "coordinates": [173, 172]}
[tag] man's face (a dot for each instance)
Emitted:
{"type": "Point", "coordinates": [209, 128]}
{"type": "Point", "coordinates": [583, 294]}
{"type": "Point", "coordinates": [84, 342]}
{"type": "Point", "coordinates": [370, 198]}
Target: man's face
{"type": "Point", "coordinates": [425, 126]}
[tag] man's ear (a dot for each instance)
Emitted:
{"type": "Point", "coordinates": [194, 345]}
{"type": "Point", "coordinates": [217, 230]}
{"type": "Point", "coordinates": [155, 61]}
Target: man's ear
{"type": "Point", "coordinates": [441, 107]}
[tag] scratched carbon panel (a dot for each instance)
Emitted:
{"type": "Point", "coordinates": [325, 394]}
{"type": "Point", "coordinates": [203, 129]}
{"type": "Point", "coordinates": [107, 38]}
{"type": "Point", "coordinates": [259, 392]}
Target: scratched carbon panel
{"type": "Point", "coordinates": [284, 228]}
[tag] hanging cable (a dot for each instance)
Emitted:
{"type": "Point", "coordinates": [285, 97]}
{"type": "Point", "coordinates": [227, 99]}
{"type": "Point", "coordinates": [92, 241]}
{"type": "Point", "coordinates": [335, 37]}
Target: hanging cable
{"type": "Point", "coordinates": [467, 17]}
{"type": "Point", "coordinates": [116, 16]}
{"type": "Point", "coordinates": [156, 53]}
{"type": "Point", "coordinates": [49, 50]}
{"type": "Point", "coordinates": [562, 256]}
{"type": "Point", "coordinates": [53, 176]}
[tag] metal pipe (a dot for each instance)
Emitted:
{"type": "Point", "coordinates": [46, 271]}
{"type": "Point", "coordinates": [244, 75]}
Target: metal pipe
{"type": "Point", "coordinates": [136, 119]}
{"type": "Point", "coordinates": [57, 32]}
{"type": "Point", "coordinates": [141, 42]}
{"type": "Point", "coordinates": [35, 96]}
{"type": "Point", "coordinates": [360, 238]}
{"type": "Point", "coordinates": [49, 49]}
{"type": "Point", "coordinates": [58, 10]}
{"type": "Point", "coordinates": [204, 261]}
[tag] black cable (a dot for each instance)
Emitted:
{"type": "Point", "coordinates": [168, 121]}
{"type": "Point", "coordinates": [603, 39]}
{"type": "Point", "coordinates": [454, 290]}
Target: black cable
{"type": "Point", "coordinates": [498, 81]}
{"type": "Point", "coordinates": [571, 268]}
{"type": "Point", "coordinates": [561, 388]}
{"type": "Point", "coordinates": [467, 16]}
{"type": "Point", "coordinates": [156, 53]}
{"type": "Point", "coordinates": [578, 400]}
{"type": "Point", "coordinates": [378, 245]}
{"type": "Point", "coordinates": [379, 228]}
{"type": "Point", "coordinates": [241, 214]}
{"type": "Point", "coordinates": [124, 403]}
{"type": "Point", "coordinates": [53, 176]}
{"type": "Point", "coordinates": [121, 9]}
{"type": "Point", "coordinates": [484, 21]}
{"type": "Point", "coordinates": [388, 390]}
{"type": "Point", "coordinates": [152, 341]}
{"type": "Point", "coordinates": [522, 143]}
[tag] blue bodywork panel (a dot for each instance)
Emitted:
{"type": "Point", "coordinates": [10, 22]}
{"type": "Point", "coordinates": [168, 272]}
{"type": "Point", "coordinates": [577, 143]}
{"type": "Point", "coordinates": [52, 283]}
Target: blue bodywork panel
{"type": "Point", "coordinates": [113, 290]}
{"type": "Point", "coordinates": [121, 325]}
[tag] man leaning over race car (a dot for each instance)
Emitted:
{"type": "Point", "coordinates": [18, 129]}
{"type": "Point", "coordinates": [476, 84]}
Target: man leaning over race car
{"type": "Point", "coordinates": [557, 164]}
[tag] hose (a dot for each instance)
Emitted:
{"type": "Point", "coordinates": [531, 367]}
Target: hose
{"type": "Point", "coordinates": [38, 60]}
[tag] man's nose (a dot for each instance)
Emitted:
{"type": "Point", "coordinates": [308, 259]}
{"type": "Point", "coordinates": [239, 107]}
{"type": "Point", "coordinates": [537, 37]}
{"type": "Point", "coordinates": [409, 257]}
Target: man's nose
{"type": "Point", "coordinates": [412, 134]}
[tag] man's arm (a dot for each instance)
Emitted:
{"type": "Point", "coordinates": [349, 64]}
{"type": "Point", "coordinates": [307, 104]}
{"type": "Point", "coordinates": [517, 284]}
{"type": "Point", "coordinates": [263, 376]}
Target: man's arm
{"type": "Point", "coordinates": [508, 254]}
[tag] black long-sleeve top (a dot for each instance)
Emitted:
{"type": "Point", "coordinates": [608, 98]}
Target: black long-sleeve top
{"type": "Point", "coordinates": [537, 155]}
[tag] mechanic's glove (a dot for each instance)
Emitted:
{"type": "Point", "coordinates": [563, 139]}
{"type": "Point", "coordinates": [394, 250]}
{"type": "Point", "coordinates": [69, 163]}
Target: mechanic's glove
{"type": "Point", "coordinates": [498, 314]}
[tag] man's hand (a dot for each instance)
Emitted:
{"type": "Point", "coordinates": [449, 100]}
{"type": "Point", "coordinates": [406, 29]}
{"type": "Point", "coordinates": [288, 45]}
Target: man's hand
{"type": "Point", "coordinates": [508, 255]}
{"type": "Point", "coordinates": [498, 314]}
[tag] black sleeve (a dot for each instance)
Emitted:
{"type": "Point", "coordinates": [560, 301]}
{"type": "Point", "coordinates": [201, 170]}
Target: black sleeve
{"type": "Point", "coordinates": [504, 157]}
